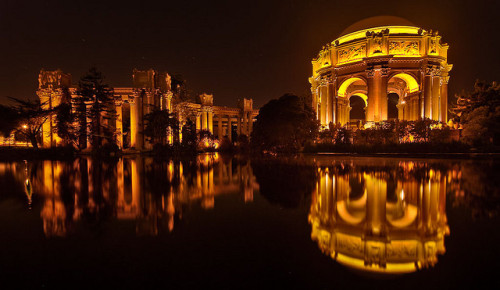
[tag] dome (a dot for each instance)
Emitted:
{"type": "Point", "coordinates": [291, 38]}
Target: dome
{"type": "Point", "coordinates": [376, 21]}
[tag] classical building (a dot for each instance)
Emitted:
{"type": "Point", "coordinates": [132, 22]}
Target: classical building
{"type": "Point", "coordinates": [388, 66]}
{"type": "Point", "coordinates": [150, 90]}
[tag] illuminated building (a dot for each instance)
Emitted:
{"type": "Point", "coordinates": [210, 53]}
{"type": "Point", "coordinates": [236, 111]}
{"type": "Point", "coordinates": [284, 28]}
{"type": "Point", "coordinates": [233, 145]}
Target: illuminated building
{"type": "Point", "coordinates": [150, 90]}
{"type": "Point", "coordinates": [376, 57]}
{"type": "Point", "coordinates": [380, 222]}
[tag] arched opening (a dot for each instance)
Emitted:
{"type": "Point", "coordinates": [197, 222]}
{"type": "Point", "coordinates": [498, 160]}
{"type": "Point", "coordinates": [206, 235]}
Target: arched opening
{"type": "Point", "coordinates": [358, 105]}
{"type": "Point", "coordinates": [392, 106]}
{"type": "Point", "coordinates": [352, 95]}
{"type": "Point", "coordinates": [399, 87]}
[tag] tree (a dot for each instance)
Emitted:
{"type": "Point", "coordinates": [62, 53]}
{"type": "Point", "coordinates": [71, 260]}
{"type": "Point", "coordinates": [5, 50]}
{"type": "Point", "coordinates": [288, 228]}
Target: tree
{"type": "Point", "coordinates": [479, 114]}
{"type": "Point", "coordinates": [65, 126]}
{"type": "Point", "coordinates": [159, 124]}
{"type": "Point", "coordinates": [101, 108]}
{"type": "Point", "coordinates": [8, 120]}
{"type": "Point", "coordinates": [189, 136]}
{"type": "Point", "coordinates": [284, 125]}
{"type": "Point", "coordinates": [30, 119]}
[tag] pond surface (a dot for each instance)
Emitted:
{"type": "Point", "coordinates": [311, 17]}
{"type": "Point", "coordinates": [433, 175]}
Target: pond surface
{"type": "Point", "coordinates": [311, 221]}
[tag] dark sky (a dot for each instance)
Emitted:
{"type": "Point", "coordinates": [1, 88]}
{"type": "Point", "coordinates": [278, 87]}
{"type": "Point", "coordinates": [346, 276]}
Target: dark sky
{"type": "Point", "coordinates": [232, 49]}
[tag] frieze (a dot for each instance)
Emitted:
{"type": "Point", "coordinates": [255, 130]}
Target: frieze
{"type": "Point", "coordinates": [400, 250]}
{"type": "Point", "coordinates": [404, 48]}
{"type": "Point", "coordinates": [352, 53]}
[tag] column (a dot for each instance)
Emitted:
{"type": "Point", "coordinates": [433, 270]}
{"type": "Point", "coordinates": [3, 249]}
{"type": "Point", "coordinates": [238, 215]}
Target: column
{"type": "Point", "coordinates": [136, 136]}
{"type": "Point", "coordinates": [219, 127]}
{"type": "Point", "coordinates": [331, 97]}
{"type": "Point", "coordinates": [245, 122]}
{"type": "Point", "coordinates": [444, 98]}
{"type": "Point", "coordinates": [147, 108]}
{"type": "Point", "coordinates": [250, 123]}
{"type": "Point", "coordinates": [323, 111]}
{"type": "Point", "coordinates": [436, 98]}
{"type": "Point", "coordinates": [377, 95]}
{"type": "Point", "coordinates": [119, 126]}
{"type": "Point", "coordinates": [238, 128]}
{"type": "Point", "coordinates": [198, 122]}
{"type": "Point", "coordinates": [210, 123]}
{"type": "Point", "coordinates": [204, 120]}
{"type": "Point", "coordinates": [427, 93]}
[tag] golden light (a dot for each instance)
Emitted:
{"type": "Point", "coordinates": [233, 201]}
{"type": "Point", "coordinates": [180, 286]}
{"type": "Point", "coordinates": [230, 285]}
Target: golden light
{"type": "Point", "coordinates": [25, 126]}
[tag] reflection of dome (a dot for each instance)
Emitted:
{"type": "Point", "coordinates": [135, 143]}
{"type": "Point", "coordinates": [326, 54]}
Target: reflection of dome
{"type": "Point", "coordinates": [376, 235]}
{"type": "Point", "coordinates": [376, 21]}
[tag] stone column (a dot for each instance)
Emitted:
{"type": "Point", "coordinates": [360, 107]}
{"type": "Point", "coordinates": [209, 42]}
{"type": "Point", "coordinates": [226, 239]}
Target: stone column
{"type": "Point", "coordinates": [250, 123]}
{"type": "Point", "coordinates": [198, 121]}
{"type": "Point", "coordinates": [323, 104]}
{"type": "Point", "coordinates": [210, 122]}
{"type": "Point", "coordinates": [136, 123]}
{"type": "Point", "coordinates": [219, 127]}
{"type": "Point", "coordinates": [245, 123]}
{"type": "Point", "coordinates": [329, 97]}
{"type": "Point", "coordinates": [119, 126]}
{"type": "Point", "coordinates": [427, 93]}
{"type": "Point", "coordinates": [436, 98]}
{"type": "Point", "coordinates": [444, 98]}
{"type": "Point", "coordinates": [204, 120]}
{"type": "Point", "coordinates": [238, 128]}
{"type": "Point", "coordinates": [377, 95]}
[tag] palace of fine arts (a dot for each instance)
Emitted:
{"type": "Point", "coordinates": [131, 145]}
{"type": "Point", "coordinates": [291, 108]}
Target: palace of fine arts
{"type": "Point", "coordinates": [243, 145]}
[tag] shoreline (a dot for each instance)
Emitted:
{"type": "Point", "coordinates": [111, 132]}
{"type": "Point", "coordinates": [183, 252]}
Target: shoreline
{"type": "Point", "coordinates": [19, 154]}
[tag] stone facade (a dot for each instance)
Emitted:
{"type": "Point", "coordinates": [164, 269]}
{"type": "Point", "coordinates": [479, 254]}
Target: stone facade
{"type": "Point", "coordinates": [150, 90]}
{"type": "Point", "coordinates": [374, 62]}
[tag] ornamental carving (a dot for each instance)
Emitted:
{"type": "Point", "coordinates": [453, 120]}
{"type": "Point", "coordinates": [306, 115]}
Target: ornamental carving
{"type": "Point", "coordinates": [404, 48]}
{"type": "Point", "coordinates": [352, 53]}
{"type": "Point", "coordinates": [401, 250]}
{"type": "Point", "coordinates": [348, 244]}
{"type": "Point", "coordinates": [432, 47]}
{"type": "Point", "coordinates": [377, 45]}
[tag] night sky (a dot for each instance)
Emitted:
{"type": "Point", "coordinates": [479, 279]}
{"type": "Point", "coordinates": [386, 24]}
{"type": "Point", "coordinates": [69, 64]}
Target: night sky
{"type": "Point", "coordinates": [232, 49]}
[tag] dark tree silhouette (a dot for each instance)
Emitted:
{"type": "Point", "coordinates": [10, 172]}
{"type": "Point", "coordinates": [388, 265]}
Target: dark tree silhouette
{"type": "Point", "coordinates": [479, 114]}
{"type": "Point", "coordinates": [159, 124]}
{"type": "Point", "coordinates": [30, 119]}
{"type": "Point", "coordinates": [100, 107]}
{"type": "Point", "coordinates": [284, 125]}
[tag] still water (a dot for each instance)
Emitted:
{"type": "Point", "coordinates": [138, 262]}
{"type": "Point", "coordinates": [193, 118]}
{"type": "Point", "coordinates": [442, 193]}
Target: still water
{"type": "Point", "coordinates": [311, 221]}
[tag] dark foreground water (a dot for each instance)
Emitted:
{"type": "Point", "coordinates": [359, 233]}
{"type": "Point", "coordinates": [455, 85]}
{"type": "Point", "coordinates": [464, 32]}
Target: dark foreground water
{"type": "Point", "coordinates": [309, 222]}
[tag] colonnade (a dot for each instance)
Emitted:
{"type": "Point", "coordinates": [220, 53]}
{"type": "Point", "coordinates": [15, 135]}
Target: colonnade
{"type": "Point", "coordinates": [427, 98]}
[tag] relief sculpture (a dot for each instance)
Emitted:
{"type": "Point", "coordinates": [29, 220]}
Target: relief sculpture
{"type": "Point", "coordinates": [404, 48]}
{"type": "Point", "coordinates": [352, 53]}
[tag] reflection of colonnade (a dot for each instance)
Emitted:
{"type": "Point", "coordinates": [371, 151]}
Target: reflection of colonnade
{"type": "Point", "coordinates": [378, 60]}
{"type": "Point", "coordinates": [151, 90]}
{"type": "Point", "coordinates": [374, 222]}
{"type": "Point", "coordinates": [132, 189]}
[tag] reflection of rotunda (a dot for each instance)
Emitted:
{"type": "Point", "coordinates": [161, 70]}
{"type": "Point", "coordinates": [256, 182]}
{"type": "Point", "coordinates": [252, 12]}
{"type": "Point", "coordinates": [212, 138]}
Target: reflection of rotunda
{"type": "Point", "coordinates": [391, 68]}
{"type": "Point", "coordinates": [376, 222]}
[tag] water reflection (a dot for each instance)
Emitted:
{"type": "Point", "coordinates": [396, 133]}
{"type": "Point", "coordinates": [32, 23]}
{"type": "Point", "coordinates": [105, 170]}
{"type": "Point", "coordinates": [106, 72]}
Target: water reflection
{"type": "Point", "coordinates": [384, 219]}
{"type": "Point", "coordinates": [155, 194]}
{"type": "Point", "coordinates": [376, 215]}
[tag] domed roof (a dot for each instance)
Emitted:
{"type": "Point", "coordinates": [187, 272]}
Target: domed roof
{"type": "Point", "coordinates": [376, 21]}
